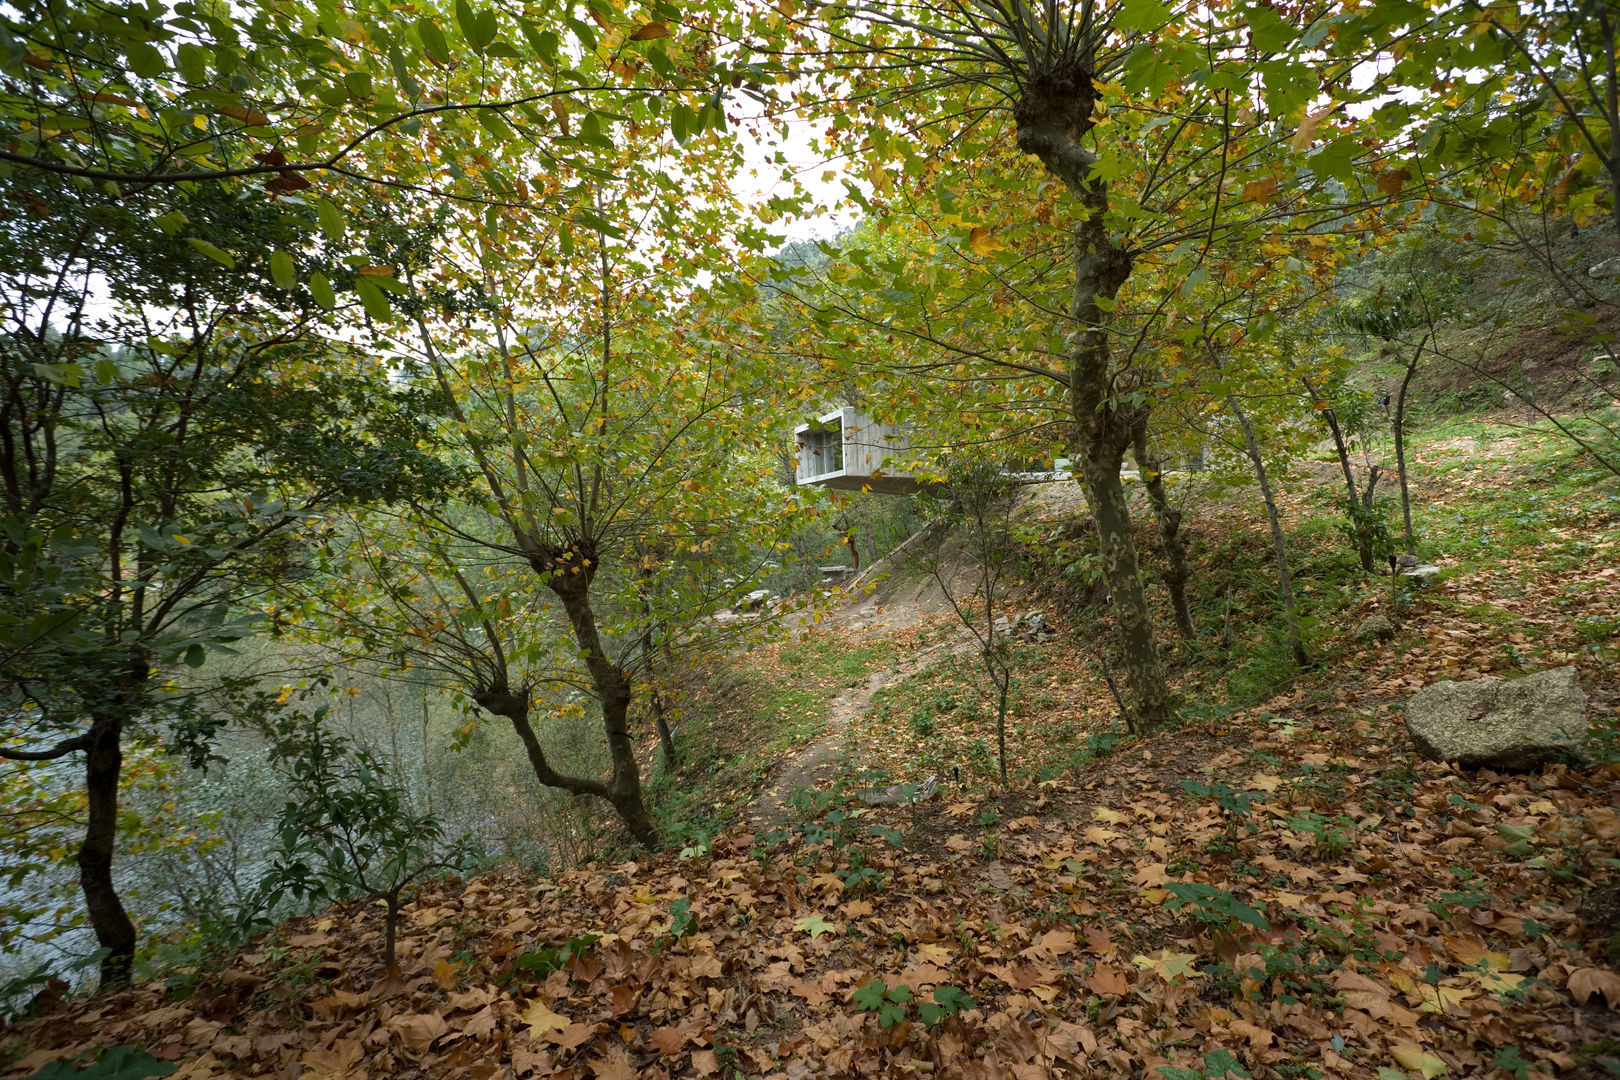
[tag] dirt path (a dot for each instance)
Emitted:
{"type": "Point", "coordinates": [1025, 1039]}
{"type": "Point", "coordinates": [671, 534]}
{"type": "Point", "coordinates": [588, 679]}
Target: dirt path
{"type": "Point", "coordinates": [825, 758]}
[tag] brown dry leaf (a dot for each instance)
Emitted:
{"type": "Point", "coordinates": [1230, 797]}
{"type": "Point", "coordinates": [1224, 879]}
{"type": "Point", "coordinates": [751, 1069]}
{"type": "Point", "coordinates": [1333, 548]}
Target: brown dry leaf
{"type": "Point", "coordinates": [1391, 181]}
{"type": "Point", "coordinates": [418, 1030]}
{"type": "Point", "coordinates": [614, 1065]}
{"type": "Point", "coordinates": [650, 32]}
{"type": "Point", "coordinates": [704, 1062]}
{"type": "Point", "coordinates": [1108, 981]}
{"type": "Point", "coordinates": [667, 1040]}
{"type": "Point", "coordinates": [1260, 190]}
{"type": "Point", "coordinates": [445, 975]}
{"type": "Point", "coordinates": [1258, 1037]}
{"type": "Point", "coordinates": [1584, 982]}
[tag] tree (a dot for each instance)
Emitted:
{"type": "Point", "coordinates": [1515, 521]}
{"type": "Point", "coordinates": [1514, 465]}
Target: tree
{"type": "Point", "coordinates": [162, 446]}
{"type": "Point", "coordinates": [345, 831]}
{"type": "Point", "coordinates": [1173, 131]}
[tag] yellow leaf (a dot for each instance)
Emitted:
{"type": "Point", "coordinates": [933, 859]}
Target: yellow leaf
{"type": "Point", "coordinates": [982, 242]}
{"type": "Point", "coordinates": [375, 271]}
{"type": "Point", "coordinates": [251, 117]}
{"type": "Point", "coordinates": [1411, 1056]}
{"type": "Point", "coordinates": [1307, 129]}
{"type": "Point", "coordinates": [199, 121]}
{"type": "Point", "coordinates": [650, 31]}
{"type": "Point", "coordinates": [540, 1019]}
{"type": "Point", "coordinates": [444, 974]}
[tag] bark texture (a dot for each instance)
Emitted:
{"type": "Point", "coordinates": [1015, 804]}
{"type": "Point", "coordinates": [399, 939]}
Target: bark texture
{"type": "Point", "coordinates": [1054, 116]}
{"type": "Point", "coordinates": [1177, 572]}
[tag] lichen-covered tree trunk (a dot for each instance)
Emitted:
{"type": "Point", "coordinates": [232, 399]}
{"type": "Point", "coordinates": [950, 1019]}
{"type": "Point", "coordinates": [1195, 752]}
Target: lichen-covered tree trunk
{"type": "Point", "coordinates": [1177, 572]}
{"type": "Point", "coordinates": [1054, 115]}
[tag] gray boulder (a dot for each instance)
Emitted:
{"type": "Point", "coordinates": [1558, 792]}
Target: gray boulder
{"type": "Point", "coordinates": [1498, 724]}
{"type": "Point", "coordinates": [1374, 628]}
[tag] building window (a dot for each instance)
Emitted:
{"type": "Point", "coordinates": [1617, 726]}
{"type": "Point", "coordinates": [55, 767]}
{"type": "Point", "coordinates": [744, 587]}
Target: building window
{"type": "Point", "coordinates": [823, 448]}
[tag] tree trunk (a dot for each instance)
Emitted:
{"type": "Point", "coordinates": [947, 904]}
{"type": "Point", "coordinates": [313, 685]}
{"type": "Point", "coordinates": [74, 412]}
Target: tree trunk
{"type": "Point", "coordinates": [114, 931]}
{"type": "Point", "coordinates": [1169, 519]}
{"type": "Point", "coordinates": [1144, 674]}
{"type": "Point", "coordinates": [1054, 116]}
{"type": "Point", "coordinates": [666, 741]}
{"type": "Point", "coordinates": [569, 574]}
{"type": "Point", "coordinates": [1363, 542]}
{"type": "Point", "coordinates": [1279, 546]}
{"type": "Point", "coordinates": [1399, 425]}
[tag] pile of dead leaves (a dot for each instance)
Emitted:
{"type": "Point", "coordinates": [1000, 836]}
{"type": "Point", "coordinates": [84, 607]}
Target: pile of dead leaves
{"type": "Point", "coordinates": [1310, 901]}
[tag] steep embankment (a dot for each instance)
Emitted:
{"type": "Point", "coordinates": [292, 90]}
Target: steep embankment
{"type": "Point", "coordinates": [1281, 887]}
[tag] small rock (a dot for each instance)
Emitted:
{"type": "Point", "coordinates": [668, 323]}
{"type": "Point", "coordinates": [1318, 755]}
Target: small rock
{"type": "Point", "coordinates": [1606, 268]}
{"type": "Point", "coordinates": [1404, 560]}
{"type": "Point", "coordinates": [755, 600]}
{"type": "Point", "coordinates": [1422, 576]}
{"type": "Point", "coordinates": [1500, 724]}
{"type": "Point", "coordinates": [899, 794]}
{"type": "Point", "coordinates": [1374, 628]}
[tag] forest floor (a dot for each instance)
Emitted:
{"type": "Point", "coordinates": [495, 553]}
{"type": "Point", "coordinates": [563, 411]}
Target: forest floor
{"type": "Point", "coordinates": [1279, 886]}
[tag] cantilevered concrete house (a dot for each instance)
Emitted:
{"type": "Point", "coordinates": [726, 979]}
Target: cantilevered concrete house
{"type": "Point", "coordinates": [848, 450]}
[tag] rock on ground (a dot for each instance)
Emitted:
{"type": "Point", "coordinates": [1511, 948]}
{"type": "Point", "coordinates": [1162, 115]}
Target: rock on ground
{"type": "Point", "coordinates": [1374, 628]}
{"type": "Point", "coordinates": [1493, 723]}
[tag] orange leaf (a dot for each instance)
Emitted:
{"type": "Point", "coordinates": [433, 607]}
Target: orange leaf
{"type": "Point", "coordinates": [375, 271]}
{"type": "Point", "coordinates": [251, 117]}
{"type": "Point", "coordinates": [1260, 190]}
{"type": "Point", "coordinates": [982, 242]}
{"type": "Point", "coordinates": [1391, 181]}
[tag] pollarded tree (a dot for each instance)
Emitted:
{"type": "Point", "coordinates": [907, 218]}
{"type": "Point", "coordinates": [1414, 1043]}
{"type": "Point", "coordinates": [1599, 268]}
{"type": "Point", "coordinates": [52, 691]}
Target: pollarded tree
{"type": "Point", "coordinates": [1171, 130]}
{"type": "Point", "coordinates": [165, 438]}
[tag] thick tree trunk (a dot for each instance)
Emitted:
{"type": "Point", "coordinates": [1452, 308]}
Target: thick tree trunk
{"type": "Point", "coordinates": [113, 929]}
{"type": "Point", "coordinates": [1169, 518]}
{"type": "Point", "coordinates": [569, 576]}
{"type": "Point", "coordinates": [1144, 674]}
{"type": "Point", "coordinates": [1054, 116]}
{"type": "Point", "coordinates": [1279, 545]}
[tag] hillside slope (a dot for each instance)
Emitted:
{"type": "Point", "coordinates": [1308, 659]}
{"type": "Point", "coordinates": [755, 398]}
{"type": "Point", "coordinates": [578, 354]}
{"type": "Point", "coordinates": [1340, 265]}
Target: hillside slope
{"type": "Point", "coordinates": [1280, 887]}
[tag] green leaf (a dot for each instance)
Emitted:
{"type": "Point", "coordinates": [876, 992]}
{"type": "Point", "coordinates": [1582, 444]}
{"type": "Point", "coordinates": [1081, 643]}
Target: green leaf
{"type": "Point", "coordinates": [373, 299]}
{"type": "Point", "coordinates": [331, 218]}
{"type": "Point", "coordinates": [145, 61]}
{"type": "Point", "coordinates": [815, 926]}
{"type": "Point", "coordinates": [282, 270]}
{"type": "Point", "coordinates": [491, 121]}
{"type": "Point", "coordinates": [480, 27]}
{"type": "Point", "coordinates": [196, 656]}
{"type": "Point", "coordinates": [870, 996]}
{"type": "Point", "coordinates": [1271, 32]}
{"type": "Point", "coordinates": [1142, 15]}
{"type": "Point", "coordinates": [433, 39]}
{"type": "Point", "coordinates": [219, 255]}
{"type": "Point", "coordinates": [321, 290]}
